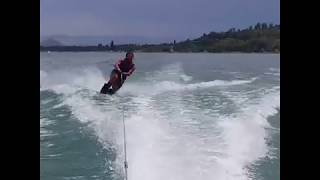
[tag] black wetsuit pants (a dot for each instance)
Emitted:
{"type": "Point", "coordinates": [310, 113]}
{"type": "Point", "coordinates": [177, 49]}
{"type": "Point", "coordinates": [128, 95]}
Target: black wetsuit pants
{"type": "Point", "coordinates": [106, 87]}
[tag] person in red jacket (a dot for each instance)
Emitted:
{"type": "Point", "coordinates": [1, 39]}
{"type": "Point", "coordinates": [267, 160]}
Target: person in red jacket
{"type": "Point", "coordinates": [122, 69]}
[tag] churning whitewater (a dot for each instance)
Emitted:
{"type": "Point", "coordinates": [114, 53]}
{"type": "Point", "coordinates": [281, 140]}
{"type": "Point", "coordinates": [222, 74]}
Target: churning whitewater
{"type": "Point", "coordinates": [188, 117]}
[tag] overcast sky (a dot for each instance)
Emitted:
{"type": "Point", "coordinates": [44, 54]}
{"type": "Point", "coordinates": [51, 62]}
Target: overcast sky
{"type": "Point", "coordinates": [152, 18]}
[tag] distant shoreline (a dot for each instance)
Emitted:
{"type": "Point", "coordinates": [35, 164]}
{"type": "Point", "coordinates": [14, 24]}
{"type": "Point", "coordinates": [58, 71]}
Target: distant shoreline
{"type": "Point", "coordinates": [167, 52]}
{"type": "Point", "coordinates": [261, 38]}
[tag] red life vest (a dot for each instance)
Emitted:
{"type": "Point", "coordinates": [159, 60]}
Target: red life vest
{"type": "Point", "coordinates": [125, 65]}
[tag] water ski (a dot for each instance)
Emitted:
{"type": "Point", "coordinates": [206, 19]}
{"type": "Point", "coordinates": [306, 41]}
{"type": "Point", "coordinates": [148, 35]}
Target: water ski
{"type": "Point", "coordinates": [115, 84]}
{"type": "Point", "coordinates": [105, 90]}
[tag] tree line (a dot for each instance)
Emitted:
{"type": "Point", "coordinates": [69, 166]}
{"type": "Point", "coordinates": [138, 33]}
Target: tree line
{"type": "Point", "coordinates": [261, 37]}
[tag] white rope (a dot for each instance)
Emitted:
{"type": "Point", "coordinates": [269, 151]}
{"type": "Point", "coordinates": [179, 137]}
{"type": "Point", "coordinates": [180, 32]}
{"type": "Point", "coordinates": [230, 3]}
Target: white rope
{"type": "Point", "coordinates": [125, 146]}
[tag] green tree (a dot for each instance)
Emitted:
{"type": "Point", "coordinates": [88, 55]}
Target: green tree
{"type": "Point", "coordinates": [112, 45]}
{"type": "Point", "coordinates": [264, 26]}
{"type": "Point", "coordinates": [271, 26]}
{"type": "Point", "coordinates": [257, 26]}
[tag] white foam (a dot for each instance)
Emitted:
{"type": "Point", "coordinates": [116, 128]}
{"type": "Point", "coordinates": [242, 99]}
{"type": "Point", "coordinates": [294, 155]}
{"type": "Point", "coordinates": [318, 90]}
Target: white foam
{"type": "Point", "coordinates": [275, 69]}
{"type": "Point", "coordinates": [186, 78]}
{"type": "Point", "coordinates": [166, 86]}
{"type": "Point", "coordinates": [181, 153]}
{"type": "Point", "coordinates": [68, 82]}
{"type": "Point", "coordinates": [245, 135]}
{"type": "Point", "coordinates": [173, 146]}
{"type": "Point", "coordinates": [157, 150]}
{"type": "Point", "coordinates": [44, 132]}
